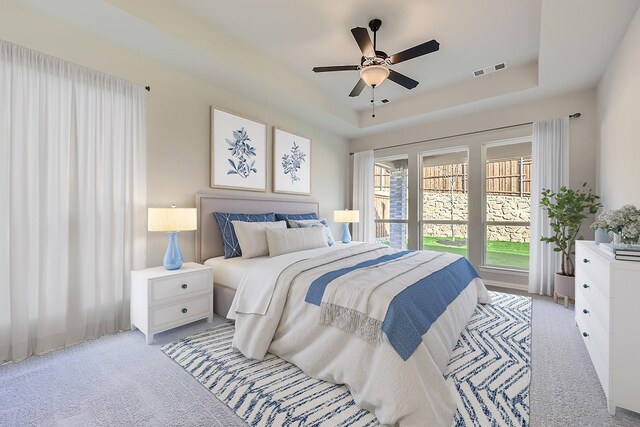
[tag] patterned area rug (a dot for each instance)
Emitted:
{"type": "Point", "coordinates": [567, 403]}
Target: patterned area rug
{"type": "Point", "coordinates": [490, 369]}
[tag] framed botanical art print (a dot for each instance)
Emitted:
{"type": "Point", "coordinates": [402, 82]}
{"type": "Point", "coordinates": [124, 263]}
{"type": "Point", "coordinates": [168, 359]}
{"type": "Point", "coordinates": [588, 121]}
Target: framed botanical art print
{"type": "Point", "coordinates": [238, 152]}
{"type": "Point", "coordinates": [291, 163]}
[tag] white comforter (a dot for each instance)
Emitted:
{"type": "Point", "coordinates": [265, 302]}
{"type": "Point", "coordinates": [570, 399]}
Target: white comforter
{"type": "Point", "coordinates": [271, 315]}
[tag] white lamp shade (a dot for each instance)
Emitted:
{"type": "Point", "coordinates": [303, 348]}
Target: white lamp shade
{"type": "Point", "coordinates": [374, 75]}
{"type": "Point", "coordinates": [172, 219]}
{"type": "Point", "coordinates": [346, 216]}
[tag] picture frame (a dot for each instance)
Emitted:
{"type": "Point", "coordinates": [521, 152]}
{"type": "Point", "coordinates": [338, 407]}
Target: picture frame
{"type": "Point", "coordinates": [291, 163]}
{"type": "Point", "coordinates": [238, 152]}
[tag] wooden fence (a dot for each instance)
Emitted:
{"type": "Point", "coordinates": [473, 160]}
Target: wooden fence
{"type": "Point", "coordinates": [510, 177]}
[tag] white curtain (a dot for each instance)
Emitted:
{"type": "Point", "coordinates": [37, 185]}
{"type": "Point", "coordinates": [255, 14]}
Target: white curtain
{"type": "Point", "coordinates": [550, 159]}
{"type": "Point", "coordinates": [365, 230]}
{"type": "Point", "coordinates": [73, 191]}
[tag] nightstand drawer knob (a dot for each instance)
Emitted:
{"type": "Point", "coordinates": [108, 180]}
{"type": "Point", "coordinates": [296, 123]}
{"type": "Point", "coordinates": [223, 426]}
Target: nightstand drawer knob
{"type": "Point", "coordinates": [184, 286]}
{"type": "Point", "coordinates": [584, 334]}
{"type": "Point", "coordinates": [586, 261]}
{"type": "Point", "coordinates": [585, 286]}
{"type": "Point", "coordinates": [184, 310]}
{"type": "Point", "coordinates": [585, 311]}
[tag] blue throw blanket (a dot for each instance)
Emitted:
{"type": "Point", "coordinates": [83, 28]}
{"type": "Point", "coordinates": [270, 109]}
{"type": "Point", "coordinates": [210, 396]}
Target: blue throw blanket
{"type": "Point", "coordinates": [412, 311]}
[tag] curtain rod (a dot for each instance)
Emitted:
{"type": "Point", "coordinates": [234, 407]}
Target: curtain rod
{"type": "Point", "coordinates": [572, 116]}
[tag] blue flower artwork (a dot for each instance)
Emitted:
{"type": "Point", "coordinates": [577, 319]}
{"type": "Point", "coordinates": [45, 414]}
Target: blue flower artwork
{"type": "Point", "coordinates": [292, 162]}
{"type": "Point", "coordinates": [242, 151]}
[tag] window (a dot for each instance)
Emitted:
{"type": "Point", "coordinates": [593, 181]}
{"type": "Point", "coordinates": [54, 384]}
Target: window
{"type": "Point", "coordinates": [507, 200]}
{"type": "Point", "coordinates": [444, 207]}
{"type": "Point", "coordinates": [391, 195]}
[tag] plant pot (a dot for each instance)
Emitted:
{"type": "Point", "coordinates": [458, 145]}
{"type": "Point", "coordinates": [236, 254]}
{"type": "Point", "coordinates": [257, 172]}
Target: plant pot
{"type": "Point", "coordinates": [565, 285]}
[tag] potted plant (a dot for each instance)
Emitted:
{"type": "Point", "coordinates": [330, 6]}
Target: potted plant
{"type": "Point", "coordinates": [566, 210]}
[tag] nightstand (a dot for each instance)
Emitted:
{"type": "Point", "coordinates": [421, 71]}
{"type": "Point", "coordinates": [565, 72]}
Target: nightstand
{"type": "Point", "coordinates": [164, 299]}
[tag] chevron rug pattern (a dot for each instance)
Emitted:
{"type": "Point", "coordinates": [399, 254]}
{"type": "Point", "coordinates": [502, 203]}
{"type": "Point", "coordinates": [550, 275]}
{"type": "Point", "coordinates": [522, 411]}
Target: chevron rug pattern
{"type": "Point", "coordinates": [490, 369]}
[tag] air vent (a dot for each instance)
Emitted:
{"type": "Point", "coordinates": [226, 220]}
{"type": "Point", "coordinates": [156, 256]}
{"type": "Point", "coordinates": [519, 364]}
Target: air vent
{"type": "Point", "coordinates": [489, 70]}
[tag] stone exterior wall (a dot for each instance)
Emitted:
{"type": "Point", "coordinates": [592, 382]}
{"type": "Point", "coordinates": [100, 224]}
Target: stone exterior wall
{"type": "Point", "coordinates": [437, 206]}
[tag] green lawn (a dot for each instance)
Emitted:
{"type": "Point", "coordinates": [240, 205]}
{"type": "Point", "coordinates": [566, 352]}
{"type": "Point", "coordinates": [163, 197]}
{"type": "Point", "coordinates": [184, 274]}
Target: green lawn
{"type": "Point", "coordinates": [505, 254]}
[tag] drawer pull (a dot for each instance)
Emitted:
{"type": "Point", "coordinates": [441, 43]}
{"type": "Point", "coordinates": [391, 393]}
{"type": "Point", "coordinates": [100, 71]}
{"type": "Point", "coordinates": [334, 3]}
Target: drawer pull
{"type": "Point", "coordinates": [585, 286]}
{"type": "Point", "coordinates": [584, 334]}
{"type": "Point", "coordinates": [184, 310]}
{"type": "Point", "coordinates": [586, 261]}
{"type": "Point", "coordinates": [585, 311]}
{"type": "Point", "coordinates": [184, 286]}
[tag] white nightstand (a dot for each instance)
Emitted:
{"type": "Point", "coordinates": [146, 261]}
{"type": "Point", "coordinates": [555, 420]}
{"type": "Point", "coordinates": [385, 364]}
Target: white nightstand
{"type": "Point", "coordinates": [162, 299]}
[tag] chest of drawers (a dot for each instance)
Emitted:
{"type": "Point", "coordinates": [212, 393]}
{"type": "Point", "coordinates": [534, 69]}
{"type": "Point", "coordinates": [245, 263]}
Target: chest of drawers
{"type": "Point", "coordinates": [162, 299]}
{"type": "Point", "coordinates": [608, 316]}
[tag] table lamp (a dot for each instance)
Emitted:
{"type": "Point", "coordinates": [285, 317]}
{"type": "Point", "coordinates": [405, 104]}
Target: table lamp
{"type": "Point", "coordinates": [172, 220]}
{"type": "Point", "coordinates": [346, 217]}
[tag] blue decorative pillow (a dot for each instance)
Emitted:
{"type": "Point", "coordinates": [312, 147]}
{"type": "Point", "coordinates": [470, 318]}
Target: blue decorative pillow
{"type": "Point", "coordinates": [306, 223]}
{"type": "Point", "coordinates": [287, 217]}
{"type": "Point", "coordinates": [229, 238]}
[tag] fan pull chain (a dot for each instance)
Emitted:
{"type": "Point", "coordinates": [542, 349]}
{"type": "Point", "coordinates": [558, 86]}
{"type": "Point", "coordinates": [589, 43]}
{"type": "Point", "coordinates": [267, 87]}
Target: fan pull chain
{"type": "Point", "coordinates": [373, 104]}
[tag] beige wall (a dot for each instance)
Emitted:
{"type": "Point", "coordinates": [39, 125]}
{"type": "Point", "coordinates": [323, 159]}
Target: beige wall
{"type": "Point", "coordinates": [619, 120]}
{"type": "Point", "coordinates": [178, 120]}
{"type": "Point", "coordinates": [583, 148]}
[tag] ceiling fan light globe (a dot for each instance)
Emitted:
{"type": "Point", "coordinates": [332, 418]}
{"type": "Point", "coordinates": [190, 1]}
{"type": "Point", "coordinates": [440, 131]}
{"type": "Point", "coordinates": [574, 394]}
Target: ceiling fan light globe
{"type": "Point", "coordinates": [374, 75]}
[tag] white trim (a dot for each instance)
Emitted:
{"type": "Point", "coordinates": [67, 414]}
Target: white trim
{"type": "Point", "coordinates": [504, 270]}
{"type": "Point", "coordinates": [506, 285]}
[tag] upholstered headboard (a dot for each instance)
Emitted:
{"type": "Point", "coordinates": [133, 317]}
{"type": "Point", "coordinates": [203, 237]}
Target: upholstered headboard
{"type": "Point", "coordinates": [208, 239]}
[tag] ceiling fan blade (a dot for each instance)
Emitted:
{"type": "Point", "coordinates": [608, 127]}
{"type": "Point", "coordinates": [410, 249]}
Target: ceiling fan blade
{"type": "Point", "coordinates": [357, 89]}
{"type": "Point", "coordinates": [414, 52]}
{"type": "Point", "coordinates": [336, 68]}
{"type": "Point", "coordinates": [364, 41]}
{"type": "Point", "coordinates": [402, 80]}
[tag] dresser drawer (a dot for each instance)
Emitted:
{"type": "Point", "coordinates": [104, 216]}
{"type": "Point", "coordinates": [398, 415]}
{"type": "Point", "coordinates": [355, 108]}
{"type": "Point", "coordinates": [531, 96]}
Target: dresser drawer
{"type": "Point", "coordinates": [590, 322]}
{"type": "Point", "coordinates": [588, 294]}
{"type": "Point", "coordinates": [182, 312]}
{"type": "Point", "coordinates": [594, 268]}
{"type": "Point", "coordinates": [174, 287]}
{"type": "Point", "coordinates": [591, 341]}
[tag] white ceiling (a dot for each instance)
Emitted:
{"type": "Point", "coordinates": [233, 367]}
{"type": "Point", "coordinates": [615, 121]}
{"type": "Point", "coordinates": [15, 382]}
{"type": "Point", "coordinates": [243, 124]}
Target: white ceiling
{"type": "Point", "coordinates": [301, 35]}
{"type": "Point", "coordinates": [266, 49]}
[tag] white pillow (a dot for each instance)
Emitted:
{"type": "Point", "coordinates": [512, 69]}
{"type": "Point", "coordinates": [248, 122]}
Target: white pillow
{"type": "Point", "coordinates": [294, 240]}
{"type": "Point", "coordinates": [252, 237]}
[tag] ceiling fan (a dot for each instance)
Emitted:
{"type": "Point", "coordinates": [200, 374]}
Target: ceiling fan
{"type": "Point", "coordinates": [374, 64]}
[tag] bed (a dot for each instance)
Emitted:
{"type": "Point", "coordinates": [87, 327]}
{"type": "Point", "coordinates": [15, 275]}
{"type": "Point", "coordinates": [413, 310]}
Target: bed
{"type": "Point", "coordinates": [327, 310]}
{"type": "Point", "coordinates": [209, 248]}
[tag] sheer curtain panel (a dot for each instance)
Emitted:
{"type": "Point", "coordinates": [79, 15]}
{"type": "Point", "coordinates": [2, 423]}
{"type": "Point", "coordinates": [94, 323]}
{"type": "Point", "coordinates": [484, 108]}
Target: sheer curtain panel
{"type": "Point", "coordinates": [73, 191]}
{"type": "Point", "coordinates": [365, 230]}
{"type": "Point", "coordinates": [550, 162]}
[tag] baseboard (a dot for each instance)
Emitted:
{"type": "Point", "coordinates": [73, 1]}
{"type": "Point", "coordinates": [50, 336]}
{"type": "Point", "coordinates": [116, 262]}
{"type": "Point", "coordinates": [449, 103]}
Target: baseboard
{"type": "Point", "coordinates": [506, 285]}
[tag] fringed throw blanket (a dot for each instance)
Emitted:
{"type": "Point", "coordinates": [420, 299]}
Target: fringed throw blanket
{"type": "Point", "coordinates": [400, 294]}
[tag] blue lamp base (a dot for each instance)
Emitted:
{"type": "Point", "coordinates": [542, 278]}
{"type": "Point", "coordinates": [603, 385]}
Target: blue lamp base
{"type": "Point", "coordinates": [346, 236]}
{"type": "Point", "coordinates": [173, 257]}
